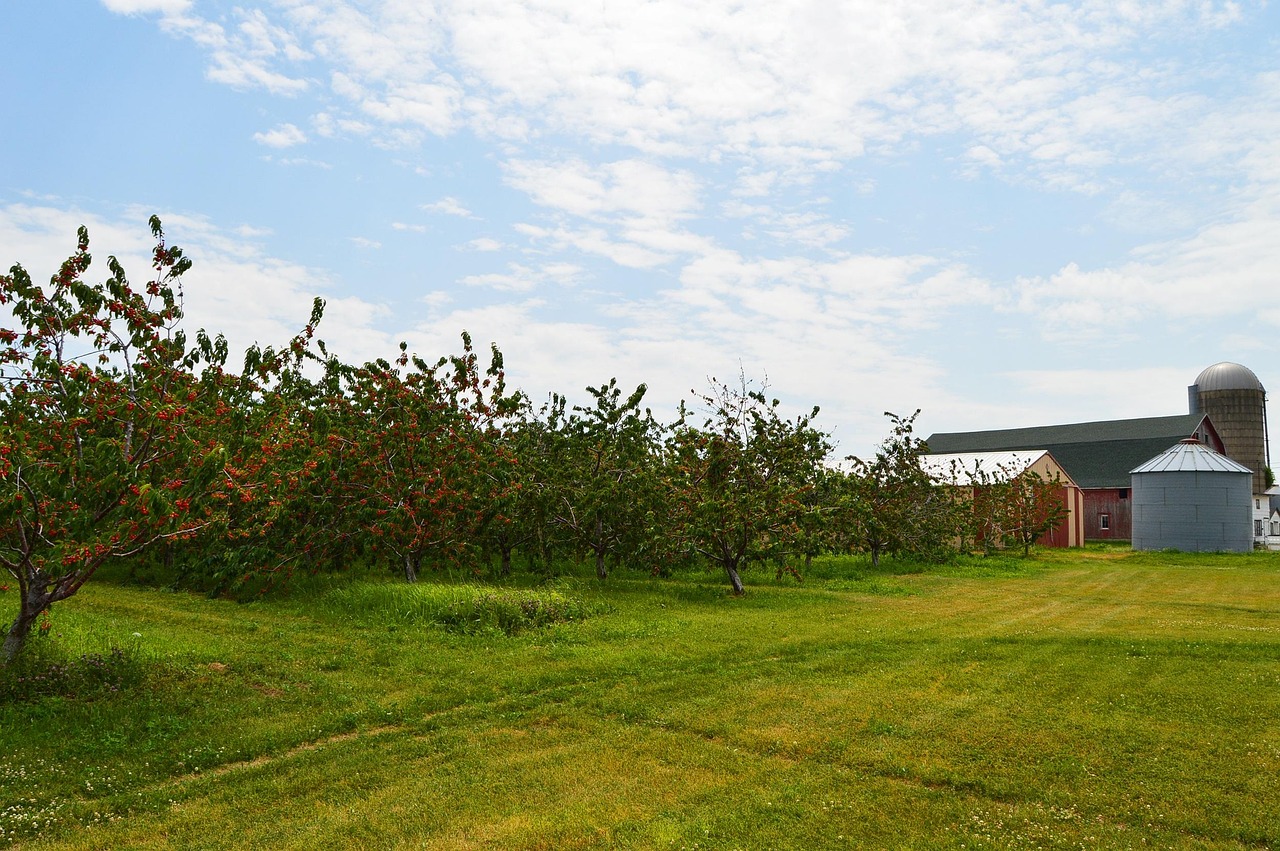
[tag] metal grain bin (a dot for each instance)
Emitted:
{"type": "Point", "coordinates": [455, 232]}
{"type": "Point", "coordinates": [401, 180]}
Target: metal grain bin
{"type": "Point", "coordinates": [1193, 499]}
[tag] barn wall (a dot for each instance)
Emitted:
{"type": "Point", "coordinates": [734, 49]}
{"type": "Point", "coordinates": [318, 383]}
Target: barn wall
{"type": "Point", "coordinates": [1116, 502]}
{"type": "Point", "coordinates": [1077, 525]}
{"type": "Point", "coordinates": [1070, 532]}
{"type": "Point", "coordinates": [1060, 535]}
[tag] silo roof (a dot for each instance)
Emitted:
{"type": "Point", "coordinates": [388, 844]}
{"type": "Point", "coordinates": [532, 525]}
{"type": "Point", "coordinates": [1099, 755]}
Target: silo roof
{"type": "Point", "coordinates": [1227, 376]}
{"type": "Point", "coordinates": [1191, 456]}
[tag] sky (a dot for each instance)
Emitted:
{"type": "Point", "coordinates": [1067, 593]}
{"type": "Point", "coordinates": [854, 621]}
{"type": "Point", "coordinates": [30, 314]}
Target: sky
{"type": "Point", "coordinates": [1002, 213]}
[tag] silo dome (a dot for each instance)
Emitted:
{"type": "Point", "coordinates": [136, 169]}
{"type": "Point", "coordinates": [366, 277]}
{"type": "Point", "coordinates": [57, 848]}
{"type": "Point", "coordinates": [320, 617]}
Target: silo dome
{"type": "Point", "coordinates": [1227, 376]}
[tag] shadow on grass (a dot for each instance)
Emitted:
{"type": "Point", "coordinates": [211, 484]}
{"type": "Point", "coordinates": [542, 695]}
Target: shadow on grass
{"type": "Point", "coordinates": [43, 671]}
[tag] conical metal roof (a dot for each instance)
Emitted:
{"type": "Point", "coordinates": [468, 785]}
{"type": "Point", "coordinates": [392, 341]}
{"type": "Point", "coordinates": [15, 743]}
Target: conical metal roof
{"type": "Point", "coordinates": [1227, 376]}
{"type": "Point", "coordinates": [1191, 456]}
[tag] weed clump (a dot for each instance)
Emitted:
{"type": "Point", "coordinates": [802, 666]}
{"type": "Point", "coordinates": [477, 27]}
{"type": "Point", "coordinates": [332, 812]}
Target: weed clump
{"type": "Point", "coordinates": [509, 611]}
{"type": "Point", "coordinates": [41, 673]}
{"type": "Point", "coordinates": [467, 609]}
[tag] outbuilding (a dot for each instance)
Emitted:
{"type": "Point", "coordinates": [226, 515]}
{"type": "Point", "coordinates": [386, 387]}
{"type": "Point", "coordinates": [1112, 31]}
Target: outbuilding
{"type": "Point", "coordinates": [1193, 499]}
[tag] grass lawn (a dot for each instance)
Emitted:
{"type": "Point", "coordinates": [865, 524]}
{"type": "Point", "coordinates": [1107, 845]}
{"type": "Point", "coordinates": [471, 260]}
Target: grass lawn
{"type": "Point", "coordinates": [1092, 699]}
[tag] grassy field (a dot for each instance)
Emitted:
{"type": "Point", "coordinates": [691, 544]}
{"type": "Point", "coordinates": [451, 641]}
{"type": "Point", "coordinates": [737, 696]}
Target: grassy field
{"type": "Point", "coordinates": [1095, 699]}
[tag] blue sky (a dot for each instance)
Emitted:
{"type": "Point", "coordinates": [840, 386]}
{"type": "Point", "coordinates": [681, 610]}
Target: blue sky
{"type": "Point", "coordinates": [1002, 213]}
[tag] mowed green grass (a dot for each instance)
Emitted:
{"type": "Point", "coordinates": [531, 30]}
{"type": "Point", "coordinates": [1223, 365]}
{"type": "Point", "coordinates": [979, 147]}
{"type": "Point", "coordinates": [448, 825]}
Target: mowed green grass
{"type": "Point", "coordinates": [1094, 699]}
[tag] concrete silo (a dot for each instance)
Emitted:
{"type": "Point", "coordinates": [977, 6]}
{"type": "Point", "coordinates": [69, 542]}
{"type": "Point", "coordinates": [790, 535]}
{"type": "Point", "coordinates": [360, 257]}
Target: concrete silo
{"type": "Point", "coordinates": [1191, 498]}
{"type": "Point", "coordinates": [1236, 402]}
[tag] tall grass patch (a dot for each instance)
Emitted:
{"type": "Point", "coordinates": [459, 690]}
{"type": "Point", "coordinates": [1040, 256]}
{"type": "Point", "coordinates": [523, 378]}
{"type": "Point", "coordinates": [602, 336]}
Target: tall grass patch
{"type": "Point", "coordinates": [466, 609]}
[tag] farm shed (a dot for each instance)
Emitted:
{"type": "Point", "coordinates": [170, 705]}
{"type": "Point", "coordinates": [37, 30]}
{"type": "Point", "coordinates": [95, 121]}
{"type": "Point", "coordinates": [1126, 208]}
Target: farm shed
{"type": "Point", "coordinates": [1193, 499]}
{"type": "Point", "coordinates": [970, 470]}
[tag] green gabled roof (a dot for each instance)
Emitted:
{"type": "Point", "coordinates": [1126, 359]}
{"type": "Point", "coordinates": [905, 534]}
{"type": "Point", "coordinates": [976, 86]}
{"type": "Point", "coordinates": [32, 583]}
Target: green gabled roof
{"type": "Point", "coordinates": [1096, 455]}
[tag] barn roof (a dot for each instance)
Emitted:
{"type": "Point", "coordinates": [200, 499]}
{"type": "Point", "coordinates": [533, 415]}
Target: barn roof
{"type": "Point", "coordinates": [967, 468]}
{"type": "Point", "coordinates": [1095, 455]}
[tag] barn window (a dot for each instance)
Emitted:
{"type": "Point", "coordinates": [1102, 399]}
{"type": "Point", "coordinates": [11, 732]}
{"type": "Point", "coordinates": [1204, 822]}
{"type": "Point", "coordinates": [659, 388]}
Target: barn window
{"type": "Point", "coordinates": [1123, 493]}
{"type": "Point", "coordinates": [1104, 522]}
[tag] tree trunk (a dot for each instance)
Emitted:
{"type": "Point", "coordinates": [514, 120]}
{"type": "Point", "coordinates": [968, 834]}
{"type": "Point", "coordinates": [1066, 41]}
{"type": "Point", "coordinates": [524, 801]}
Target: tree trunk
{"type": "Point", "coordinates": [32, 604]}
{"type": "Point", "coordinates": [734, 579]}
{"type": "Point", "coordinates": [544, 547]}
{"type": "Point", "coordinates": [808, 561]}
{"type": "Point", "coordinates": [506, 560]}
{"type": "Point", "coordinates": [410, 568]}
{"type": "Point", "coordinates": [601, 571]}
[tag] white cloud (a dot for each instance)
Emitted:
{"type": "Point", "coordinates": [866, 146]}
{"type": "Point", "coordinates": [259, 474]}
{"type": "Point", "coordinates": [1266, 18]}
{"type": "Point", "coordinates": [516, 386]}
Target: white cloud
{"type": "Point", "coordinates": [281, 136]}
{"type": "Point", "coordinates": [328, 126]}
{"type": "Point", "coordinates": [755, 183]}
{"type": "Point", "coordinates": [251, 232]}
{"type": "Point", "coordinates": [365, 242]}
{"type": "Point", "coordinates": [305, 162]}
{"type": "Point", "coordinates": [675, 345]}
{"type": "Point", "coordinates": [144, 7]}
{"type": "Point", "coordinates": [633, 187]}
{"type": "Point", "coordinates": [1117, 393]}
{"type": "Point", "coordinates": [1226, 269]}
{"type": "Point", "coordinates": [520, 278]}
{"type": "Point", "coordinates": [402, 226]}
{"type": "Point", "coordinates": [432, 106]}
{"type": "Point", "coordinates": [239, 73]}
{"type": "Point", "coordinates": [232, 288]}
{"type": "Point", "coordinates": [635, 209]}
{"type": "Point", "coordinates": [1051, 94]}
{"type": "Point", "coordinates": [243, 58]}
{"type": "Point", "coordinates": [596, 241]}
{"type": "Point", "coordinates": [981, 157]}
{"type": "Point", "coordinates": [437, 299]}
{"type": "Point", "coordinates": [808, 229]}
{"type": "Point", "coordinates": [449, 207]}
{"type": "Point", "coordinates": [261, 38]}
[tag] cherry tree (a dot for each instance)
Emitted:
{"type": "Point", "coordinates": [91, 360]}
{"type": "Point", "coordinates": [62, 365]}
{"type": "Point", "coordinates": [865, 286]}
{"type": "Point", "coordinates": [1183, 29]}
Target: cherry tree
{"type": "Point", "coordinates": [737, 482]}
{"type": "Point", "coordinates": [104, 440]}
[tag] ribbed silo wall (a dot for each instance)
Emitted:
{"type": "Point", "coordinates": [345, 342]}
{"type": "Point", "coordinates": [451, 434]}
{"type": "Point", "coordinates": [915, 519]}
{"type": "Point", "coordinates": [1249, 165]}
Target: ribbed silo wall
{"type": "Point", "coordinates": [1240, 418]}
{"type": "Point", "coordinates": [1192, 511]}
